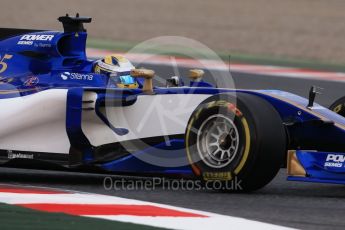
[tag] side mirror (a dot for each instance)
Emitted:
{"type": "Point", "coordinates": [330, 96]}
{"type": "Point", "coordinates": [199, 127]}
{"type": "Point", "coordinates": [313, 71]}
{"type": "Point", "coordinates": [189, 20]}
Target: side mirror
{"type": "Point", "coordinates": [147, 74]}
{"type": "Point", "coordinates": [174, 81]}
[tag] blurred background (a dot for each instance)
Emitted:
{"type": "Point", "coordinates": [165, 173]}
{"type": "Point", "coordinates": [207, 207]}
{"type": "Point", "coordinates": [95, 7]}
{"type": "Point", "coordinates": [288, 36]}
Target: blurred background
{"type": "Point", "coordinates": [307, 30]}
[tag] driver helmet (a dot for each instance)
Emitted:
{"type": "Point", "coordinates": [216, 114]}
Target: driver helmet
{"type": "Point", "coordinates": [117, 68]}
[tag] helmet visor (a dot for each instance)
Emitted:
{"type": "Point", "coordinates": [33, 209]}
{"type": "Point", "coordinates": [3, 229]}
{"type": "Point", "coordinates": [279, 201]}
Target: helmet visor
{"type": "Point", "coordinates": [126, 80]}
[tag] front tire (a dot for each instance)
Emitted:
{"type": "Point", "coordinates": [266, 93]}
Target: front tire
{"type": "Point", "coordinates": [339, 106]}
{"type": "Point", "coordinates": [236, 139]}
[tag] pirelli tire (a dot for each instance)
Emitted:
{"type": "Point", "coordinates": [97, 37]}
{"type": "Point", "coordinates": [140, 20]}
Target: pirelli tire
{"type": "Point", "coordinates": [253, 133]}
{"type": "Point", "coordinates": [339, 106]}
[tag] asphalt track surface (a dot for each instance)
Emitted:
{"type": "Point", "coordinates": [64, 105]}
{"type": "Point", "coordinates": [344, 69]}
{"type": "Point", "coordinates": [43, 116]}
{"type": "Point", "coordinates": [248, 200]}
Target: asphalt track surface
{"type": "Point", "coordinates": [292, 204]}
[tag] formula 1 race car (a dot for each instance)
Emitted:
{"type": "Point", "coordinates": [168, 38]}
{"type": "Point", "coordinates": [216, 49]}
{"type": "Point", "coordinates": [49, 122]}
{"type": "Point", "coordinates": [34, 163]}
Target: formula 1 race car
{"type": "Point", "coordinates": [62, 110]}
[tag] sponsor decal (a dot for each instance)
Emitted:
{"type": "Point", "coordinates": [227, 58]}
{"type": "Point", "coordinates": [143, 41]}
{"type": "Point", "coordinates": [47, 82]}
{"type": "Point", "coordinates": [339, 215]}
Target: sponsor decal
{"type": "Point", "coordinates": [29, 43]}
{"type": "Point", "coordinates": [335, 160]}
{"type": "Point", "coordinates": [217, 176]}
{"type": "Point", "coordinates": [43, 45]}
{"type": "Point", "coordinates": [65, 75]}
{"type": "Point", "coordinates": [12, 155]}
{"type": "Point", "coordinates": [28, 39]}
{"type": "Point", "coordinates": [31, 81]}
{"type": "Point", "coordinates": [76, 76]}
{"type": "Point", "coordinates": [37, 37]}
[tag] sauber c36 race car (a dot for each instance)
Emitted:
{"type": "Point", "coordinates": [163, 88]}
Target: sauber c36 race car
{"type": "Point", "coordinates": [62, 110]}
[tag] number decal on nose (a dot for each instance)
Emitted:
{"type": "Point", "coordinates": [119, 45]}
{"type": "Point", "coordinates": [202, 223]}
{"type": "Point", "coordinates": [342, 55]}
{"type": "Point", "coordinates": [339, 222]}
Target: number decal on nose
{"type": "Point", "coordinates": [3, 63]}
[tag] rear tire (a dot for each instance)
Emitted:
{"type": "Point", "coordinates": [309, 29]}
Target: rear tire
{"type": "Point", "coordinates": [339, 106]}
{"type": "Point", "coordinates": [239, 140]}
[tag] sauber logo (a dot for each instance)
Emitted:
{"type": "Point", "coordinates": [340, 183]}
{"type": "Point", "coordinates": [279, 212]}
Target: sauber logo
{"type": "Point", "coordinates": [335, 160]}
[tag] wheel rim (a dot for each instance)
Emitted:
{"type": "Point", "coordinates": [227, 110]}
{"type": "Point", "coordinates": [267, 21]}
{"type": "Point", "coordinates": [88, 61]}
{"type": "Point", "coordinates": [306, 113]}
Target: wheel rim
{"type": "Point", "coordinates": [217, 141]}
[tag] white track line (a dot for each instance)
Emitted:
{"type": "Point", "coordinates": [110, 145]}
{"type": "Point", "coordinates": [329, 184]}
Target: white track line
{"type": "Point", "coordinates": [214, 222]}
{"type": "Point", "coordinates": [207, 220]}
{"type": "Point", "coordinates": [77, 198]}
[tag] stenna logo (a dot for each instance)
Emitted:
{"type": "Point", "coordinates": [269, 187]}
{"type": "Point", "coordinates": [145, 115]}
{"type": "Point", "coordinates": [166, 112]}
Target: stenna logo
{"type": "Point", "coordinates": [65, 75]}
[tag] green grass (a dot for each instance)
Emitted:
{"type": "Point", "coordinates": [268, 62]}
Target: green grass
{"type": "Point", "coordinates": [235, 57]}
{"type": "Point", "coordinates": [14, 217]}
